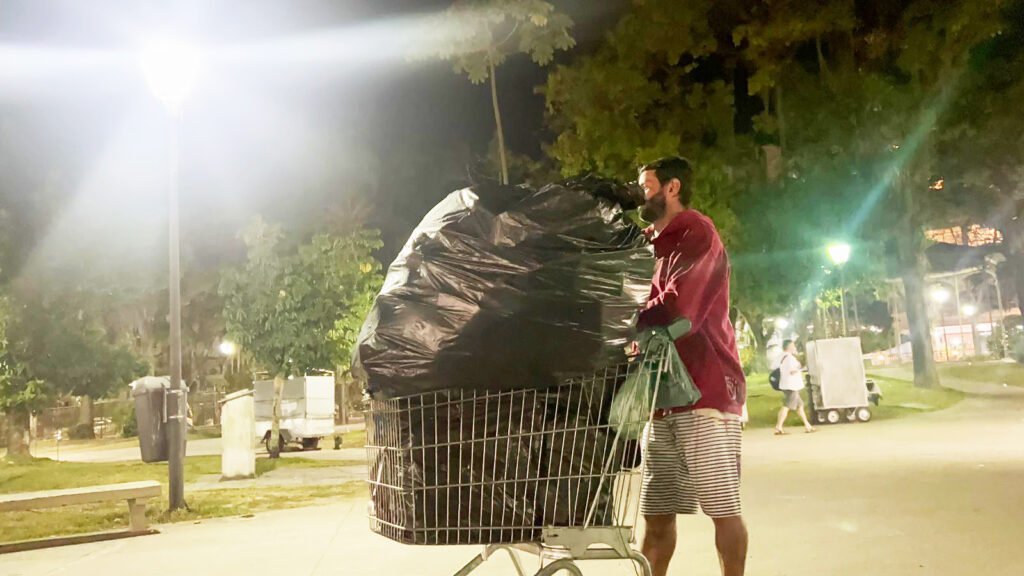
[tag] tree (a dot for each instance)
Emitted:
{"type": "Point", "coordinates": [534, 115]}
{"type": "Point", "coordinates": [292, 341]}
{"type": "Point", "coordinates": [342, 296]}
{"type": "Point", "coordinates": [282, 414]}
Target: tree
{"type": "Point", "coordinates": [20, 393]}
{"type": "Point", "coordinates": [291, 307]}
{"type": "Point", "coordinates": [64, 345]}
{"type": "Point", "coordinates": [981, 169]}
{"type": "Point", "coordinates": [478, 36]}
{"type": "Point", "coordinates": [867, 86]}
{"type": "Point", "coordinates": [662, 85]}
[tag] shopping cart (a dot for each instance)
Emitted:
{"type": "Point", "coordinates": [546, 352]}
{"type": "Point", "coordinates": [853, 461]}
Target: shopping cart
{"type": "Point", "coordinates": [533, 470]}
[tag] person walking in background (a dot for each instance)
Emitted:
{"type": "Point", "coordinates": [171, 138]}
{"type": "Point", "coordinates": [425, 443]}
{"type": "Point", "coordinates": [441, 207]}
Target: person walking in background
{"type": "Point", "coordinates": [791, 383]}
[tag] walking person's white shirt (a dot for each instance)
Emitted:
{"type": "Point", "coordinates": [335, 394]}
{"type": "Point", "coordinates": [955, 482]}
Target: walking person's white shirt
{"type": "Point", "coordinates": [790, 377]}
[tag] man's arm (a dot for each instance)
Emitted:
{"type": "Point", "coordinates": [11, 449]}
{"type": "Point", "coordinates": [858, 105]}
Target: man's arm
{"type": "Point", "coordinates": [692, 269]}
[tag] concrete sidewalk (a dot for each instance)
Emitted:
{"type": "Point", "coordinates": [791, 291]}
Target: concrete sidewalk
{"type": "Point", "coordinates": [935, 495]}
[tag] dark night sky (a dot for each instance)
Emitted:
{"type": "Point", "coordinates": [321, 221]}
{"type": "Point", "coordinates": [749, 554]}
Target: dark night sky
{"type": "Point", "coordinates": [282, 138]}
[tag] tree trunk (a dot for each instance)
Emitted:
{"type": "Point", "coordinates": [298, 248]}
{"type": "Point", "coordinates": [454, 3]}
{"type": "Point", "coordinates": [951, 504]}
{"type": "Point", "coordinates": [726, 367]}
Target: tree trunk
{"type": "Point", "coordinates": [275, 423]}
{"type": "Point", "coordinates": [497, 123]}
{"type": "Point", "coordinates": [826, 74]}
{"type": "Point", "coordinates": [925, 374]}
{"type": "Point", "coordinates": [341, 385]}
{"type": "Point", "coordinates": [85, 412]}
{"type": "Point", "coordinates": [780, 116]}
{"type": "Point", "coordinates": [760, 362]}
{"type": "Point", "coordinates": [17, 435]}
{"type": "Point", "coordinates": [85, 415]}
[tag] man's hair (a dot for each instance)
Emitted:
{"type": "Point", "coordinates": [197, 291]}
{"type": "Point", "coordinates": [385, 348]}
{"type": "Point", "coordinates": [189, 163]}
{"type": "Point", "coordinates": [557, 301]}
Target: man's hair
{"type": "Point", "coordinates": [676, 167]}
{"type": "Point", "coordinates": [786, 343]}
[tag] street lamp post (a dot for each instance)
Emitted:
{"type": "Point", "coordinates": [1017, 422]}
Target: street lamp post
{"type": "Point", "coordinates": [170, 68]}
{"type": "Point", "coordinates": [840, 255]}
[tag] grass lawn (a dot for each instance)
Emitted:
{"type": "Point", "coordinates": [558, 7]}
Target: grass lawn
{"type": "Point", "coordinates": [15, 526]}
{"type": "Point", "coordinates": [988, 372]}
{"type": "Point", "coordinates": [354, 439]}
{"type": "Point", "coordinates": [45, 474]}
{"type": "Point", "coordinates": [763, 403]}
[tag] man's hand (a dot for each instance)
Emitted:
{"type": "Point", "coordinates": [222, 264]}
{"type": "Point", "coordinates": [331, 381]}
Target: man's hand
{"type": "Point", "coordinates": [632, 349]}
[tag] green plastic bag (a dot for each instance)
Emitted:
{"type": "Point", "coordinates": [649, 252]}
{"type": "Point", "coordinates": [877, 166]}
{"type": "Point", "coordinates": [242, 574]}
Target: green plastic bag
{"type": "Point", "coordinates": [632, 404]}
{"type": "Point", "coordinates": [659, 380]}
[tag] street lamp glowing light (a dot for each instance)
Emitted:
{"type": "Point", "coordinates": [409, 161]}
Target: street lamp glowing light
{"type": "Point", "coordinates": [782, 323]}
{"type": "Point", "coordinates": [940, 294]}
{"type": "Point", "coordinates": [227, 348]}
{"type": "Point", "coordinates": [171, 68]}
{"type": "Point", "coordinates": [969, 309]}
{"type": "Point", "coordinates": [839, 253]}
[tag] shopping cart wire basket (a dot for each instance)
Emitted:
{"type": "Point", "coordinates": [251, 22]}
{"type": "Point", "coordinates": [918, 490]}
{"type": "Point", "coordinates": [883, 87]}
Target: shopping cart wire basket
{"type": "Point", "coordinates": [536, 470]}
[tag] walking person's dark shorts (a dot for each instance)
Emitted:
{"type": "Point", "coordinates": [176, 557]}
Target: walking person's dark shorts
{"type": "Point", "coordinates": [792, 399]}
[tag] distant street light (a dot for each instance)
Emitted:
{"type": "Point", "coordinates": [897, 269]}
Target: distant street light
{"type": "Point", "coordinates": [839, 253]}
{"type": "Point", "coordinates": [782, 323]}
{"type": "Point", "coordinates": [969, 309]}
{"type": "Point", "coordinates": [171, 68]}
{"type": "Point", "coordinates": [227, 348]}
{"type": "Point", "coordinates": [940, 294]}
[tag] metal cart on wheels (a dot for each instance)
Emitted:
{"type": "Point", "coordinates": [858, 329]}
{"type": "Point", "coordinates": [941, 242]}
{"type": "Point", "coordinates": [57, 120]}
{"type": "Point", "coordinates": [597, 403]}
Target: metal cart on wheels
{"type": "Point", "coordinates": [837, 385]}
{"type": "Point", "coordinates": [539, 471]}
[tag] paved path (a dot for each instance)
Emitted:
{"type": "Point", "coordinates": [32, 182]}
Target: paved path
{"type": "Point", "coordinates": [933, 495]}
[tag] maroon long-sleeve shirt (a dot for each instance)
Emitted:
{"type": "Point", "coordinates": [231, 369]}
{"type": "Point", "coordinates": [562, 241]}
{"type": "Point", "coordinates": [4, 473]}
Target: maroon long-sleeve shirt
{"type": "Point", "coordinates": [691, 280]}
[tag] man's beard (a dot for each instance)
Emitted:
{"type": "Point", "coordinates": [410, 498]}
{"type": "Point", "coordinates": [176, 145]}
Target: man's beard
{"type": "Point", "coordinates": [654, 207]}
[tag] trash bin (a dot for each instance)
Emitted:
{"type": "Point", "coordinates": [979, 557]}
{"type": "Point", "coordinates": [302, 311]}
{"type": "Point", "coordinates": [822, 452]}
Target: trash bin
{"type": "Point", "coordinates": [149, 394]}
{"type": "Point", "coordinates": [238, 436]}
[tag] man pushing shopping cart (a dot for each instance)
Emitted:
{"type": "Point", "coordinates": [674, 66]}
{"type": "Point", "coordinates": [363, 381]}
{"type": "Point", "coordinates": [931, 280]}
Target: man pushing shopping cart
{"type": "Point", "coordinates": [553, 469]}
{"type": "Point", "coordinates": [692, 455]}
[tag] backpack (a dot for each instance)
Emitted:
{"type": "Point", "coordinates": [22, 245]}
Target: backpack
{"type": "Point", "coordinates": [775, 377]}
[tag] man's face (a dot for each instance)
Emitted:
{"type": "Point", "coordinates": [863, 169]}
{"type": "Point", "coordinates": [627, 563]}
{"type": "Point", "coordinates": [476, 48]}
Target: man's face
{"type": "Point", "coordinates": [654, 196]}
{"type": "Point", "coordinates": [791, 349]}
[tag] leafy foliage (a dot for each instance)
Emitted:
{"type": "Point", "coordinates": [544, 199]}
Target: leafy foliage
{"type": "Point", "coordinates": [64, 346]}
{"type": "Point", "coordinates": [293, 307]}
{"type": "Point", "coordinates": [478, 36]}
{"type": "Point", "coordinates": [808, 121]}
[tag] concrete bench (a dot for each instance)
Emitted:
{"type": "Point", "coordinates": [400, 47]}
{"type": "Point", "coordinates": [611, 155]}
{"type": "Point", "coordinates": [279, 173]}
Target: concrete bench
{"type": "Point", "coordinates": [135, 493]}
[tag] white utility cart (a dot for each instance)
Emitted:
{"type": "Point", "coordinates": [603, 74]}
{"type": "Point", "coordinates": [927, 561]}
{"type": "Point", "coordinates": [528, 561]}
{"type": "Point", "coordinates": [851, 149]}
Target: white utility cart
{"type": "Point", "coordinates": [838, 387]}
{"type": "Point", "coordinates": [307, 410]}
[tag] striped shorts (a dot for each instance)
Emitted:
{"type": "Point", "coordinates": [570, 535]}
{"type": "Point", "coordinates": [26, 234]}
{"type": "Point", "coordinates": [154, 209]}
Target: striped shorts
{"type": "Point", "coordinates": [691, 459]}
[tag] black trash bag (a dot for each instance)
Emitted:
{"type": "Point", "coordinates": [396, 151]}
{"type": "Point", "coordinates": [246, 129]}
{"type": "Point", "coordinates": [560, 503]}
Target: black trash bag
{"type": "Point", "coordinates": [507, 287]}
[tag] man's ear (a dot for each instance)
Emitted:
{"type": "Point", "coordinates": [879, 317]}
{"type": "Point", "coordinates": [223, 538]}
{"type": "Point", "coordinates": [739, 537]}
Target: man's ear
{"type": "Point", "coordinates": [674, 186]}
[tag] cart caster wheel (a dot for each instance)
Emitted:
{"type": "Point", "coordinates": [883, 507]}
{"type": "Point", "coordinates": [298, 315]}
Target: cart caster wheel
{"type": "Point", "coordinates": [851, 415]}
{"type": "Point", "coordinates": [832, 416]}
{"type": "Point", "coordinates": [864, 414]}
{"type": "Point", "coordinates": [819, 417]}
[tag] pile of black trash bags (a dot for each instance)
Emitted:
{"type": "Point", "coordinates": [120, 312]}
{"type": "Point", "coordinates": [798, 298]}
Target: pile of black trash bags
{"type": "Point", "coordinates": [501, 289]}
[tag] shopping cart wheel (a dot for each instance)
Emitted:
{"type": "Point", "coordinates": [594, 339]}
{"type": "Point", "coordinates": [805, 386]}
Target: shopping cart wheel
{"type": "Point", "coordinates": [819, 417]}
{"type": "Point", "coordinates": [832, 416]}
{"type": "Point", "coordinates": [851, 415]}
{"type": "Point", "coordinates": [565, 564]}
{"type": "Point", "coordinates": [864, 414]}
